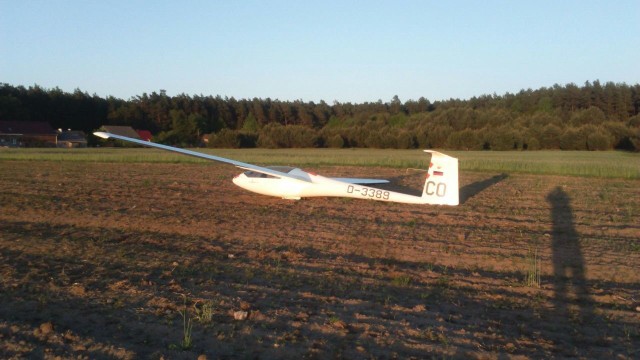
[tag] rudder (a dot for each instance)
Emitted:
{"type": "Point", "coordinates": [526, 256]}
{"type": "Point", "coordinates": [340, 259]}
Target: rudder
{"type": "Point", "coordinates": [441, 185]}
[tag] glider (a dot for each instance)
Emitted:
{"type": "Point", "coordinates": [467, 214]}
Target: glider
{"type": "Point", "coordinates": [440, 187]}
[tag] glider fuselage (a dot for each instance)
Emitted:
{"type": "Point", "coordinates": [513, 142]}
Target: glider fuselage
{"type": "Point", "coordinates": [317, 186]}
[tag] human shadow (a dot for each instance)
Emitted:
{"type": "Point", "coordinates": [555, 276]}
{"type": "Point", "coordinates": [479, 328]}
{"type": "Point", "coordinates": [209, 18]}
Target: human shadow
{"type": "Point", "coordinates": [573, 304]}
{"type": "Point", "coordinates": [471, 190]}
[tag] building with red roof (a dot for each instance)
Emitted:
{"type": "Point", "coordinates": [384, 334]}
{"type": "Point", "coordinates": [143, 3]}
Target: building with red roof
{"type": "Point", "coordinates": [144, 135]}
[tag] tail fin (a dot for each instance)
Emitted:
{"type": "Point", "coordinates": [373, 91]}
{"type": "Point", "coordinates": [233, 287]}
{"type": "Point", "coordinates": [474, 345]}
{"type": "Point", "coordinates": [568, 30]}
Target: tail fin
{"type": "Point", "coordinates": [441, 186]}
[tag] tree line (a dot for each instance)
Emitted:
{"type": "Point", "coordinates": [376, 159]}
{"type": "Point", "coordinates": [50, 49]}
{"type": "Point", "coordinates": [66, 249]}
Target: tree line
{"type": "Point", "coordinates": [593, 116]}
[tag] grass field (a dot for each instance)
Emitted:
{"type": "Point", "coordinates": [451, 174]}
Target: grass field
{"type": "Point", "coordinates": [608, 164]}
{"type": "Point", "coordinates": [127, 254]}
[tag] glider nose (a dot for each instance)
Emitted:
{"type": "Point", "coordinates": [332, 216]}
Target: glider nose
{"type": "Point", "coordinates": [241, 180]}
{"type": "Point", "coordinates": [236, 179]}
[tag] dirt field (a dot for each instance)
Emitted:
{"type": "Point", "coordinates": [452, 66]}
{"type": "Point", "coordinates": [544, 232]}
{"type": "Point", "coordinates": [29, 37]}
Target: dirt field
{"type": "Point", "coordinates": [101, 261]}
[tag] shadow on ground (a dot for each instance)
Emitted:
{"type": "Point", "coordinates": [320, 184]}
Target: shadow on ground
{"type": "Point", "coordinates": [473, 189]}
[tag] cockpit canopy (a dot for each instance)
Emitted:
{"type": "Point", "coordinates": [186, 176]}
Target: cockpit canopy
{"type": "Point", "coordinates": [255, 174]}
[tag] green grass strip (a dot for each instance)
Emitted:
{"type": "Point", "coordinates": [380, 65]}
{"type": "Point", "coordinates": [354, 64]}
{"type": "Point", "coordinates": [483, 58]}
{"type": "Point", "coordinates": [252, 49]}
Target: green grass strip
{"type": "Point", "coordinates": [602, 164]}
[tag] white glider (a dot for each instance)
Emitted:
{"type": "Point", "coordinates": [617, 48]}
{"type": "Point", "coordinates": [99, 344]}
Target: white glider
{"type": "Point", "coordinates": [440, 187]}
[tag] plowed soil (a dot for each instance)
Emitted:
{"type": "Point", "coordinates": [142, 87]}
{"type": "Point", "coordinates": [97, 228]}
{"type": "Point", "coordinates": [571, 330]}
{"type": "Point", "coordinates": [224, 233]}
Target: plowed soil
{"type": "Point", "coordinates": [110, 260]}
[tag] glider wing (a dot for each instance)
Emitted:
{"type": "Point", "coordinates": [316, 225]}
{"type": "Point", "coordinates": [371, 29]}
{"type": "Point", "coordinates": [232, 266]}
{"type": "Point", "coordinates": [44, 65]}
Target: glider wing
{"type": "Point", "coordinates": [361, 181]}
{"type": "Point", "coordinates": [242, 165]}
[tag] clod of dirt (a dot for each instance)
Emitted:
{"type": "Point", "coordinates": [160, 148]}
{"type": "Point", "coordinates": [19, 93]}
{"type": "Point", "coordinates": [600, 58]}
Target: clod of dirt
{"type": "Point", "coordinates": [46, 328]}
{"type": "Point", "coordinates": [302, 316]}
{"type": "Point", "coordinates": [340, 325]}
{"type": "Point", "coordinates": [69, 336]}
{"type": "Point", "coordinates": [256, 315]}
{"type": "Point", "coordinates": [245, 305]}
{"type": "Point", "coordinates": [77, 290]}
{"type": "Point", "coordinates": [240, 315]}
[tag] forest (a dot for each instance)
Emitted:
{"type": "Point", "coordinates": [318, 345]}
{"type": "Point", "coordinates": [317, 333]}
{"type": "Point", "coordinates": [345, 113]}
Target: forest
{"type": "Point", "coordinates": [593, 116]}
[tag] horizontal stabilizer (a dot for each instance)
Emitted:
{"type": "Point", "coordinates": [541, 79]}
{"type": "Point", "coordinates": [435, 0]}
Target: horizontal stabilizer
{"type": "Point", "coordinates": [361, 181]}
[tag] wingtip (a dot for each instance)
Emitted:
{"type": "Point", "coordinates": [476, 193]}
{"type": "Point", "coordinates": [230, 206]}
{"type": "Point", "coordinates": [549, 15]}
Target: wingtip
{"type": "Point", "coordinates": [101, 134]}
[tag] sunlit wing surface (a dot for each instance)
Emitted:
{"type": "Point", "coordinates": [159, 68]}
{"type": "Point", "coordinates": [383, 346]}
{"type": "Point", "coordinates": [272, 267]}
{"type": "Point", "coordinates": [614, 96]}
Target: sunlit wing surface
{"type": "Point", "coordinates": [440, 188]}
{"type": "Point", "coordinates": [361, 181]}
{"type": "Point", "coordinates": [242, 165]}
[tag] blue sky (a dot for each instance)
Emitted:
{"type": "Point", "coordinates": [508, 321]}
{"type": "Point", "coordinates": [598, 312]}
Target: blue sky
{"type": "Point", "coordinates": [349, 51]}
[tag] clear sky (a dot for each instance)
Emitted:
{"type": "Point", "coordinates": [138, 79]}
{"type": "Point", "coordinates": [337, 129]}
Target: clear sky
{"type": "Point", "coordinates": [349, 51]}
